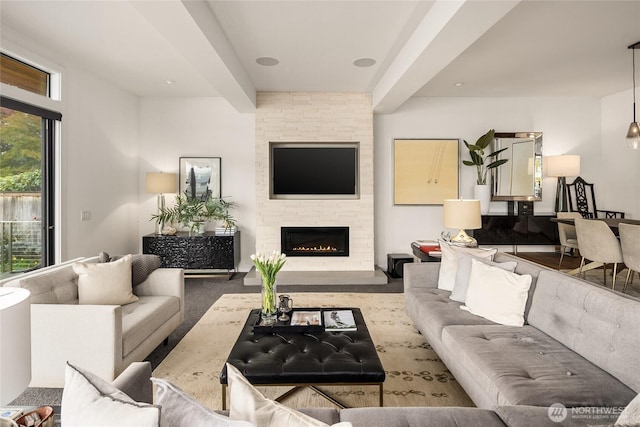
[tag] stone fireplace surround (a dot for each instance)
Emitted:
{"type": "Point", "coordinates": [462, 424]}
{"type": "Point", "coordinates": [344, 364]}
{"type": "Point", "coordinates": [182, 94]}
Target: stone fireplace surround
{"type": "Point", "coordinates": [317, 117]}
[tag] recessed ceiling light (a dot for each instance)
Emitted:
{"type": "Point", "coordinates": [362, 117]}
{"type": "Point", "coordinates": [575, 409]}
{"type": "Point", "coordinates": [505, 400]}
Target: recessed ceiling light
{"type": "Point", "coordinates": [169, 82]}
{"type": "Point", "coordinates": [459, 84]}
{"type": "Point", "coordinates": [267, 61]}
{"type": "Point", "coordinates": [364, 62]}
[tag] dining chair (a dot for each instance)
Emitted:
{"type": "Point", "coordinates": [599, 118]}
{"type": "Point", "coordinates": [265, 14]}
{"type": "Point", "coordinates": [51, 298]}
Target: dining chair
{"type": "Point", "coordinates": [567, 234]}
{"type": "Point", "coordinates": [599, 245]}
{"type": "Point", "coordinates": [630, 243]}
{"type": "Point", "coordinates": [582, 199]}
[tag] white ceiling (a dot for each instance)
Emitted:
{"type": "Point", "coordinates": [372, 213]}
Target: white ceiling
{"type": "Point", "coordinates": [422, 48]}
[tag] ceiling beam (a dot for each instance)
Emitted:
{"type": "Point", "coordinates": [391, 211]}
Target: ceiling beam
{"type": "Point", "coordinates": [447, 29]}
{"type": "Point", "coordinates": [204, 45]}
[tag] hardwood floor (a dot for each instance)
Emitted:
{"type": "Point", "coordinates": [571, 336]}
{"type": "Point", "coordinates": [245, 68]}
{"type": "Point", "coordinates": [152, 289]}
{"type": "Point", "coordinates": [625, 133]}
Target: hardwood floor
{"type": "Point", "coordinates": [551, 259]}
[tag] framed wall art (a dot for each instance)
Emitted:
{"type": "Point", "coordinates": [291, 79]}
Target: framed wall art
{"type": "Point", "coordinates": [200, 177]}
{"type": "Point", "coordinates": [425, 171]}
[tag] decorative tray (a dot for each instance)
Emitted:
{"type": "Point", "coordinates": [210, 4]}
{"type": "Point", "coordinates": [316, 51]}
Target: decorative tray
{"type": "Point", "coordinates": [300, 320]}
{"type": "Point", "coordinates": [311, 320]}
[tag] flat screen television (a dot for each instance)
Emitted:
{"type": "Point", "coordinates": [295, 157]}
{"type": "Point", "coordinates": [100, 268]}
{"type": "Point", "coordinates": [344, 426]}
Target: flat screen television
{"type": "Point", "coordinates": [314, 171]}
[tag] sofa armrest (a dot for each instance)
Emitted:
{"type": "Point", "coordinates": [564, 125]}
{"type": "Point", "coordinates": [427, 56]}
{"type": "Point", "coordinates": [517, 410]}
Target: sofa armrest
{"type": "Point", "coordinates": [135, 382]}
{"type": "Point", "coordinates": [421, 275]}
{"type": "Point", "coordinates": [84, 335]}
{"type": "Point", "coordinates": [164, 281]}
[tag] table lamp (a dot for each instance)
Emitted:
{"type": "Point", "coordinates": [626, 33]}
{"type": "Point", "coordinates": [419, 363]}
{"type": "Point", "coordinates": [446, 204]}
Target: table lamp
{"type": "Point", "coordinates": [15, 343]}
{"type": "Point", "coordinates": [160, 183]}
{"type": "Point", "coordinates": [562, 167]}
{"type": "Point", "coordinates": [462, 214]}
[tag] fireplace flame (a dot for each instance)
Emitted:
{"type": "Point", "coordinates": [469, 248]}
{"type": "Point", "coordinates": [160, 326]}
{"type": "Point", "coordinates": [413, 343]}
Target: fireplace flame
{"type": "Point", "coordinates": [316, 249]}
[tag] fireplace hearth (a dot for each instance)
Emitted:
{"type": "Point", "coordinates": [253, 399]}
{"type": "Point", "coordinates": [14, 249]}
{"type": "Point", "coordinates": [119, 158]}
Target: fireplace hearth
{"type": "Point", "coordinates": [315, 241]}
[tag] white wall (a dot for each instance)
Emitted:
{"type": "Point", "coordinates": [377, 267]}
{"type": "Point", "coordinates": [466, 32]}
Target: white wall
{"type": "Point", "coordinates": [99, 166]}
{"type": "Point", "coordinates": [171, 128]}
{"type": "Point", "coordinates": [569, 126]}
{"type": "Point", "coordinates": [98, 155]}
{"type": "Point", "coordinates": [620, 163]}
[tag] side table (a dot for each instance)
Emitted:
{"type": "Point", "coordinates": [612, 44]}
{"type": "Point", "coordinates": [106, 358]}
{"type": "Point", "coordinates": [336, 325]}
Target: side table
{"type": "Point", "coordinates": [201, 254]}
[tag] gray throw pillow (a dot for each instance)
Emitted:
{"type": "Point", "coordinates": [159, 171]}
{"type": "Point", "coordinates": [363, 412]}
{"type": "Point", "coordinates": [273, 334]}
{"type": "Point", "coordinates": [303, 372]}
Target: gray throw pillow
{"type": "Point", "coordinates": [459, 292]}
{"type": "Point", "coordinates": [181, 410]}
{"type": "Point", "coordinates": [142, 265]}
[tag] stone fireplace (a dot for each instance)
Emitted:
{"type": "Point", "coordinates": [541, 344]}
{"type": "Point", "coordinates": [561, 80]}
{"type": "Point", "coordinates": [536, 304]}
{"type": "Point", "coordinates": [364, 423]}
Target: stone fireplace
{"type": "Point", "coordinates": [314, 241]}
{"type": "Point", "coordinates": [308, 117]}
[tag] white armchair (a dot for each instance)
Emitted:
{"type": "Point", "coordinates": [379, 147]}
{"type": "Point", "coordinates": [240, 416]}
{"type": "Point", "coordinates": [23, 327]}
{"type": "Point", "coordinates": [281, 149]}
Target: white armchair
{"type": "Point", "coordinates": [104, 339]}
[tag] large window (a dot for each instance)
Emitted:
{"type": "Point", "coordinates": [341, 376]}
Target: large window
{"type": "Point", "coordinates": [27, 142]}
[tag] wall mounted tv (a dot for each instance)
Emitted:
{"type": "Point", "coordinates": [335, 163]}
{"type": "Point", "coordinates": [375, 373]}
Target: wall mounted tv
{"type": "Point", "coordinates": [314, 170]}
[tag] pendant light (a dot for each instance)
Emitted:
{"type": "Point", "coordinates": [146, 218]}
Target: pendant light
{"type": "Point", "coordinates": [633, 135]}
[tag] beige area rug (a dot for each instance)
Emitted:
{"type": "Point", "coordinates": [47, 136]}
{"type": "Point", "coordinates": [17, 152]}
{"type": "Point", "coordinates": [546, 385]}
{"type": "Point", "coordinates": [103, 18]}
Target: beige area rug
{"type": "Point", "coordinates": [415, 374]}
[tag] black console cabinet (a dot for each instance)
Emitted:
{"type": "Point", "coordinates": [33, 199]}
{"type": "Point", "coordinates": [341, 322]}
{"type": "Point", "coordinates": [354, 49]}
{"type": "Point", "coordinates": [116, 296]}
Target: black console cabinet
{"type": "Point", "coordinates": [516, 230]}
{"type": "Point", "coordinates": [196, 254]}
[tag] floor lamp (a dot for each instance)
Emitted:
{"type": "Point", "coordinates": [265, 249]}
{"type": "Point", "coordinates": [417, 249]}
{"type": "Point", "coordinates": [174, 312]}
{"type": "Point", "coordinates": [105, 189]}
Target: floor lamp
{"type": "Point", "coordinates": [15, 343]}
{"type": "Point", "coordinates": [160, 183]}
{"type": "Point", "coordinates": [562, 167]}
{"type": "Point", "coordinates": [462, 214]}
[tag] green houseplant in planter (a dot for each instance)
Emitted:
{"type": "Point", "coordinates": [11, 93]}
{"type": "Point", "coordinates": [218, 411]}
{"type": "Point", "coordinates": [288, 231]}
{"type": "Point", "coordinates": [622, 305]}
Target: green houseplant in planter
{"type": "Point", "coordinates": [483, 162]}
{"type": "Point", "coordinates": [195, 213]}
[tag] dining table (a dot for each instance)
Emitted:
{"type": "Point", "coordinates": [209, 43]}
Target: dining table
{"type": "Point", "coordinates": [613, 223]}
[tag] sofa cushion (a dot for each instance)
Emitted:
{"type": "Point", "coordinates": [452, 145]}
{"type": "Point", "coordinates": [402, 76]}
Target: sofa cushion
{"type": "Point", "coordinates": [420, 416]}
{"type": "Point", "coordinates": [449, 262]}
{"type": "Point", "coordinates": [459, 292]}
{"type": "Point", "coordinates": [89, 400]}
{"type": "Point", "coordinates": [142, 265]}
{"type": "Point", "coordinates": [496, 294]}
{"type": "Point", "coordinates": [524, 366]}
{"type": "Point", "coordinates": [631, 414]}
{"type": "Point", "coordinates": [599, 324]}
{"type": "Point", "coordinates": [105, 284]}
{"type": "Point", "coordinates": [58, 285]}
{"type": "Point", "coordinates": [181, 410]}
{"type": "Point", "coordinates": [248, 404]}
{"type": "Point", "coordinates": [141, 318]}
{"type": "Point", "coordinates": [433, 310]}
{"type": "Point", "coordinates": [542, 416]}
{"type": "Point", "coordinates": [524, 267]}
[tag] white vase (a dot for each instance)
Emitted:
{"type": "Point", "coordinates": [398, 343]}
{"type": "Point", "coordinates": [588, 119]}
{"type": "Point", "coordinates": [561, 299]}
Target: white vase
{"type": "Point", "coordinates": [482, 193]}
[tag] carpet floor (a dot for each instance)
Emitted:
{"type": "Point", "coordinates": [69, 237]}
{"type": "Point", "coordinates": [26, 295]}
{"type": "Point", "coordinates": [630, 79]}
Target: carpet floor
{"type": "Point", "coordinates": [202, 293]}
{"type": "Point", "coordinates": [415, 374]}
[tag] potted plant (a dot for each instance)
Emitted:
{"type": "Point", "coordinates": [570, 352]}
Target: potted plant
{"type": "Point", "coordinates": [195, 213]}
{"type": "Point", "coordinates": [483, 162]}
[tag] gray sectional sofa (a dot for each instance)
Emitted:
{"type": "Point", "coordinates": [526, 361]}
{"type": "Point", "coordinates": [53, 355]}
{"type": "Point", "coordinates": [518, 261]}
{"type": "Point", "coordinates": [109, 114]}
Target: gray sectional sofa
{"type": "Point", "coordinates": [579, 347]}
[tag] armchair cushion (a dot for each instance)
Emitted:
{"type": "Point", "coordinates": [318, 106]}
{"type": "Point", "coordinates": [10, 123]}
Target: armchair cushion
{"type": "Point", "coordinates": [142, 265]}
{"type": "Point", "coordinates": [105, 283]}
{"type": "Point", "coordinates": [89, 400]}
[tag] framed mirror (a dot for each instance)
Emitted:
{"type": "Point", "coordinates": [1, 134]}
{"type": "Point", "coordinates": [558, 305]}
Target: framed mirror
{"type": "Point", "coordinates": [521, 177]}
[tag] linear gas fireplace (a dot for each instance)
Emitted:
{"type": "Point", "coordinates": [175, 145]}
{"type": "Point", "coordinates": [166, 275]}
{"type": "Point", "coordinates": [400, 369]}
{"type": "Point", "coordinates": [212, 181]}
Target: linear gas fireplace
{"type": "Point", "coordinates": [315, 241]}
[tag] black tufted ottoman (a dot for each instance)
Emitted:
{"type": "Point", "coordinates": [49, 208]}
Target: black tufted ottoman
{"type": "Point", "coordinates": [306, 359]}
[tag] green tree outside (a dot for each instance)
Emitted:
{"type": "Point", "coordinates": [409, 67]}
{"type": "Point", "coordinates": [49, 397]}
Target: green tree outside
{"type": "Point", "coordinates": [20, 153]}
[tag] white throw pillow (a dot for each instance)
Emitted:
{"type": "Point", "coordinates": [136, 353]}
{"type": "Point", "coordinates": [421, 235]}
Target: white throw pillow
{"type": "Point", "coordinates": [497, 295]}
{"type": "Point", "coordinates": [449, 262]}
{"type": "Point", "coordinates": [90, 401]}
{"type": "Point", "coordinates": [631, 414]}
{"type": "Point", "coordinates": [105, 283]}
{"type": "Point", "coordinates": [459, 292]}
{"type": "Point", "coordinates": [249, 404]}
{"type": "Point", "coordinates": [181, 410]}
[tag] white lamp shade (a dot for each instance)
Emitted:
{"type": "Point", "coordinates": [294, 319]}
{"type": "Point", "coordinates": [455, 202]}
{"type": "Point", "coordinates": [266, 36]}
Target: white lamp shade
{"type": "Point", "coordinates": [566, 165]}
{"type": "Point", "coordinates": [161, 183]}
{"type": "Point", "coordinates": [15, 343]}
{"type": "Point", "coordinates": [462, 214]}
